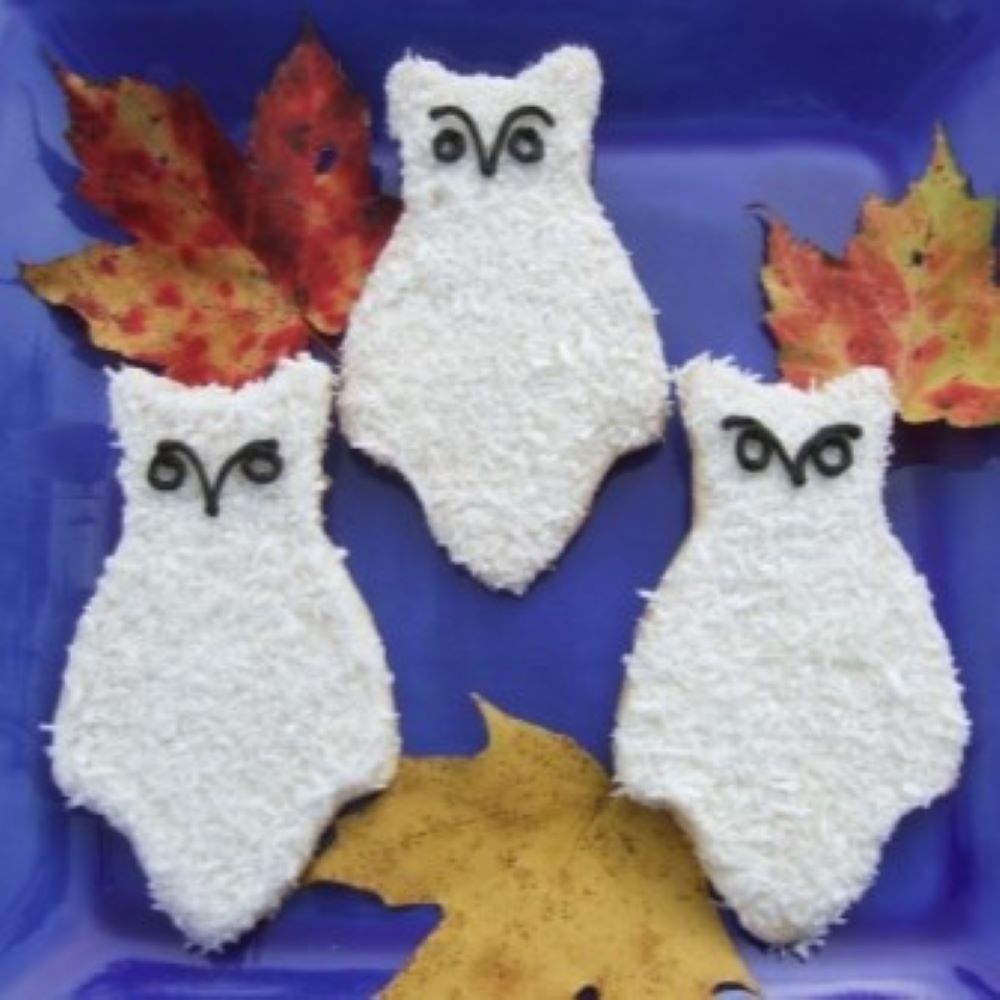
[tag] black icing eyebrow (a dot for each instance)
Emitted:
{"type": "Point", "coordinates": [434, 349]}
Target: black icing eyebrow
{"type": "Point", "coordinates": [459, 112]}
{"type": "Point", "coordinates": [489, 159]}
{"type": "Point", "coordinates": [522, 112]}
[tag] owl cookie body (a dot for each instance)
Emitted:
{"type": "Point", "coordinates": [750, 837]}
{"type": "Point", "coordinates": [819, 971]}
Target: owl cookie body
{"type": "Point", "coordinates": [502, 354]}
{"type": "Point", "coordinates": [226, 689]}
{"type": "Point", "coordinates": [790, 694]}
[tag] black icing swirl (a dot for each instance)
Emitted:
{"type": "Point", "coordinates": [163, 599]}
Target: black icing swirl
{"type": "Point", "coordinates": [449, 145]}
{"type": "Point", "coordinates": [259, 461]}
{"type": "Point", "coordinates": [829, 450]}
{"type": "Point", "coordinates": [523, 143]}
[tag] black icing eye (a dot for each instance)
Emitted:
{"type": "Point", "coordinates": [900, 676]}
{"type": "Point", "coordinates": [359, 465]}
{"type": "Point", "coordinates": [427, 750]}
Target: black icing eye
{"type": "Point", "coordinates": [754, 449]}
{"type": "Point", "coordinates": [449, 145]}
{"type": "Point", "coordinates": [260, 461]}
{"type": "Point", "coordinates": [168, 468]}
{"type": "Point", "coordinates": [525, 144]}
{"type": "Point", "coordinates": [830, 450]}
{"type": "Point", "coordinates": [755, 444]}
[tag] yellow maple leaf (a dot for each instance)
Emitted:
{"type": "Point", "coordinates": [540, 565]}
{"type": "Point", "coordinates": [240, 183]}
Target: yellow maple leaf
{"type": "Point", "coordinates": [914, 293]}
{"type": "Point", "coordinates": [550, 883]}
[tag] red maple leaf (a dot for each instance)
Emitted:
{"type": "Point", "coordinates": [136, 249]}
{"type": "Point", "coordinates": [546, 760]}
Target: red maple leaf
{"type": "Point", "coordinates": [914, 293]}
{"type": "Point", "coordinates": [236, 262]}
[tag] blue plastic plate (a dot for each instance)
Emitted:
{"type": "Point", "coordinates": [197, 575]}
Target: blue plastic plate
{"type": "Point", "coordinates": [712, 106]}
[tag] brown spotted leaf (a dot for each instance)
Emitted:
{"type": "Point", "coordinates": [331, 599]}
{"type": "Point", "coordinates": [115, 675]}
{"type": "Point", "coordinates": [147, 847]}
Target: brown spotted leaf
{"type": "Point", "coordinates": [235, 263]}
{"type": "Point", "coordinates": [914, 293]}
{"type": "Point", "coordinates": [549, 882]}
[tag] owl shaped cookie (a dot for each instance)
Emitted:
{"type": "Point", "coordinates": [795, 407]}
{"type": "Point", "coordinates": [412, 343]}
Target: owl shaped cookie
{"type": "Point", "coordinates": [226, 689]}
{"type": "Point", "coordinates": [502, 354]}
{"type": "Point", "coordinates": [790, 694]}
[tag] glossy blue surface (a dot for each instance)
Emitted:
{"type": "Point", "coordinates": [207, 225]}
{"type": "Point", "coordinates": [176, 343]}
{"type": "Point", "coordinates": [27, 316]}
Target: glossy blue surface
{"type": "Point", "coordinates": [711, 106]}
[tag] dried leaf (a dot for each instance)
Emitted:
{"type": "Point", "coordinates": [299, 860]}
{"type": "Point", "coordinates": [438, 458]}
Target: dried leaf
{"type": "Point", "coordinates": [201, 315]}
{"type": "Point", "coordinates": [914, 293]}
{"type": "Point", "coordinates": [156, 163]}
{"type": "Point", "coordinates": [236, 262]}
{"type": "Point", "coordinates": [317, 216]}
{"type": "Point", "coordinates": [549, 883]}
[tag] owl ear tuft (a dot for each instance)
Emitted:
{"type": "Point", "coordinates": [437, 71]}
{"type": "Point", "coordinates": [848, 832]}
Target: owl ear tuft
{"type": "Point", "coordinates": [867, 392]}
{"type": "Point", "coordinates": [302, 383]}
{"type": "Point", "coordinates": [133, 389]}
{"type": "Point", "coordinates": [409, 89]}
{"type": "Point", "coordinates": [706, 381]}
{"type": "Point", "coordinates": [869, 386]}
{"type": "Point", "coordinates": [572, 74]}
{"type": "Point", "coordinates": [869, 380]}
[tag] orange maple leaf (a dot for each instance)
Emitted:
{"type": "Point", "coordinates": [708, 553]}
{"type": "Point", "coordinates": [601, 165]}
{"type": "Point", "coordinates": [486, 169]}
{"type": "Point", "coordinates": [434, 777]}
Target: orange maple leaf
{"type": "Point", "coordinates": [914, 293]}
{"type": "Point", "coordinates": [236, 262]}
